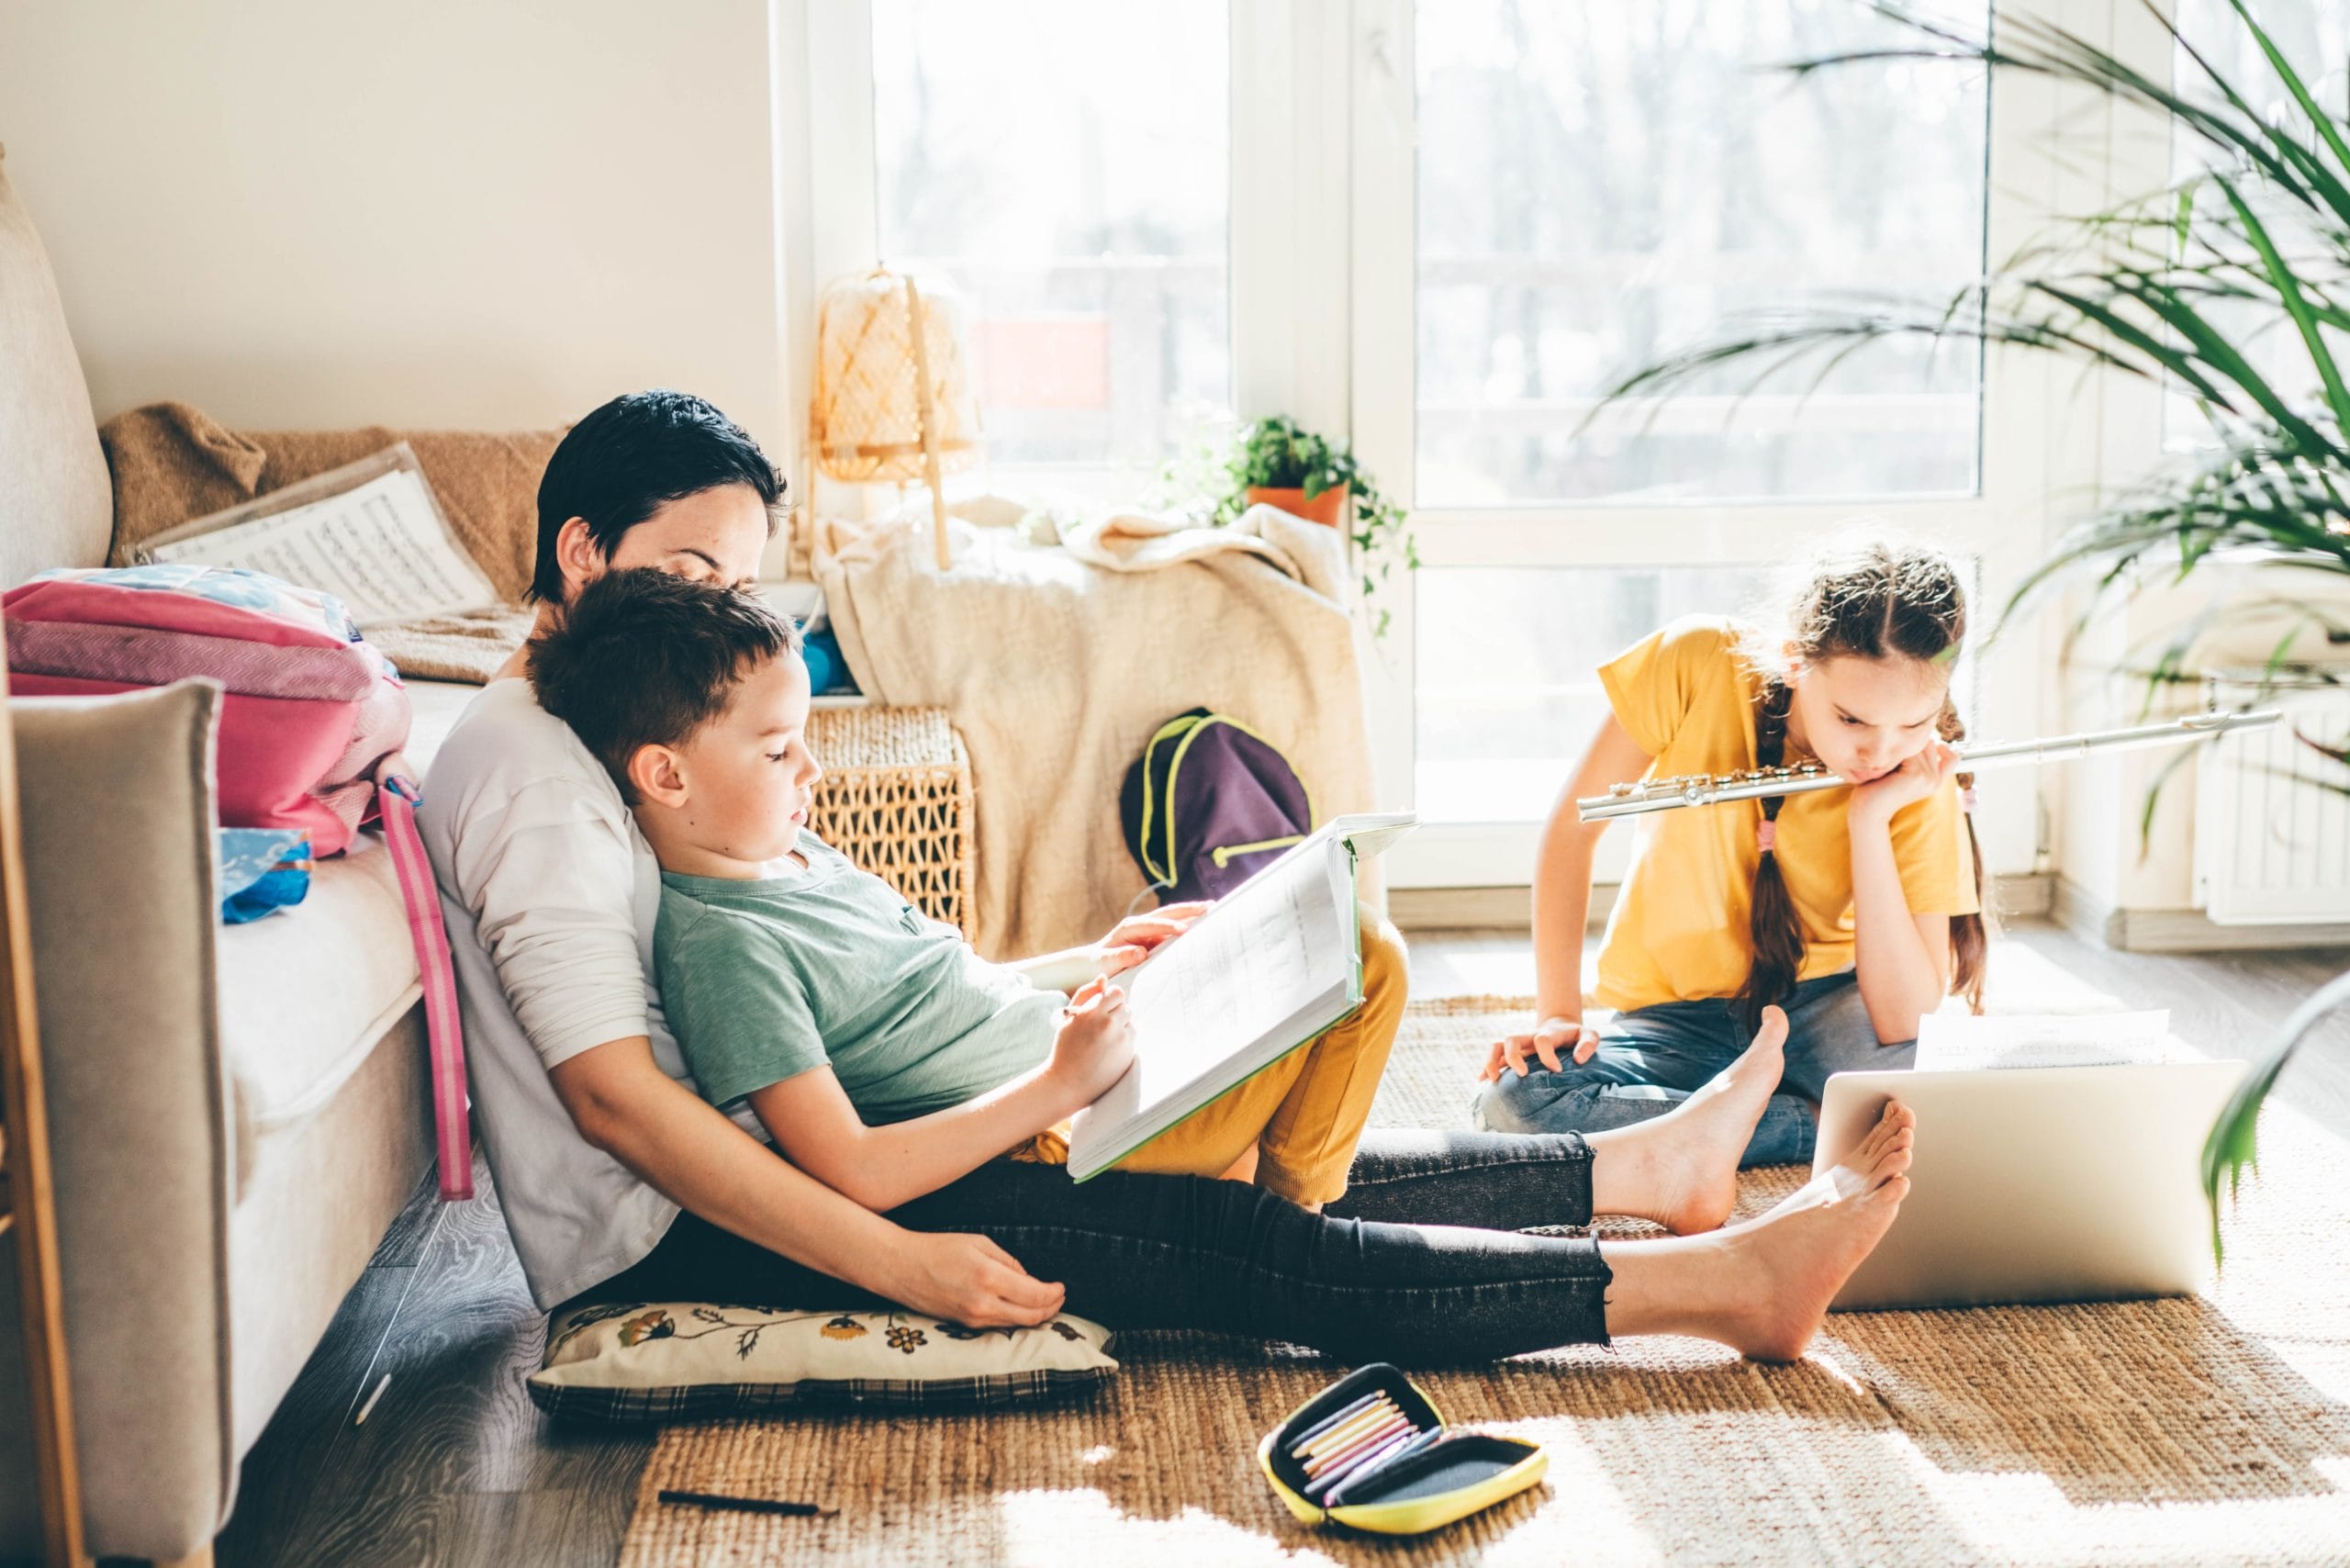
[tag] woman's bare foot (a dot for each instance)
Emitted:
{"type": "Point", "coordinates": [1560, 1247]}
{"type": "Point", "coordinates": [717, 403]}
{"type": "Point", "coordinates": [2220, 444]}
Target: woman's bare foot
{"type": "Point", "coordinates": [1763, 1287]}
{"type": "Point", "coordinates": [1681, 1168]}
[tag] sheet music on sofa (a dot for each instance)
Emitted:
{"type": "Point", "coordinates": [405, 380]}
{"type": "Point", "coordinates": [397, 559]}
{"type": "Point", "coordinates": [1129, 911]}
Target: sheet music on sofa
{"type": "Point", "coordinates": [369, 532]}
{"type": "Point", "coordinates": [1273, 964]}
{"type": "Point", "coordinates": [1960, 1041]}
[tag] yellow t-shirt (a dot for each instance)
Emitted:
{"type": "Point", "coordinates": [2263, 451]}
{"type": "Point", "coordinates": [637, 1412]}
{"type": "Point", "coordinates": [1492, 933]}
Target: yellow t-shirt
{"type": "Point", "coordinates": [1680, 930]}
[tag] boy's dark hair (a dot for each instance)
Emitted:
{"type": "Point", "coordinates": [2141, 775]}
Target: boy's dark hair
{"type": "Point", "coordinates": [633, 456]}
{"type": "Point", "coordinates": [646, 658]}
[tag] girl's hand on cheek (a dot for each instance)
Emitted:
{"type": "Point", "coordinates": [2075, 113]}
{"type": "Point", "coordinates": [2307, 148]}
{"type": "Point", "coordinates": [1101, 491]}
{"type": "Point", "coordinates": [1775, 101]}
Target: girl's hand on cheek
{"type": "Point", "coordinates": [1915, 779]}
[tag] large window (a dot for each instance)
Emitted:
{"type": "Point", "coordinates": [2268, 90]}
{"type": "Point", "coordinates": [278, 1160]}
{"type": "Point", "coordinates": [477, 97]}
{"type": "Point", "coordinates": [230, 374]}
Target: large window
{"type": "Point", "coordinates": [1066, 165]}
{"type": "Point", "coordinates": [1598, 186]}
{"type": "Point", "coordinates": [1445, 229]}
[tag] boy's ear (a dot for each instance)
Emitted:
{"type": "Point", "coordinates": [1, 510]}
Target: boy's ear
{"type": "Point", "coordinates": [576, 555]}
{"type": "Point", "coordinates": [657, 773]}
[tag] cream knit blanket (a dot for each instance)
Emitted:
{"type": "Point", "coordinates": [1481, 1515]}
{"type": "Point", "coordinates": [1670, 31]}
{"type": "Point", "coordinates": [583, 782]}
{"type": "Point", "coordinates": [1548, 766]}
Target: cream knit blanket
{"type": "Point", "coordinates": [1057, 662]}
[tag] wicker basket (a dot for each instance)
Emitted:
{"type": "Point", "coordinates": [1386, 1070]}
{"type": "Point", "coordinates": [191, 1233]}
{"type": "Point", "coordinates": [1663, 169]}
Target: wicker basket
{"type": "Point", "coordinates": [896, 798]}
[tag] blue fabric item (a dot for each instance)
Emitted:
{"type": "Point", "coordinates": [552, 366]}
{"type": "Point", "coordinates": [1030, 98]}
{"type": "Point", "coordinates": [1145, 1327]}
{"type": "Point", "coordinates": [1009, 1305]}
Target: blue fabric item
{"type": "Point", "coordinates": [254, 877]}
{"type": "Point", "coordinates": [1650, 1059]}
{"type": "Point", "coordinates": [827, 669]}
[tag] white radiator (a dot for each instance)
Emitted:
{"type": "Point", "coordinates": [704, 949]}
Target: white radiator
{"type": "Point", "coordinates": [2272, 821]}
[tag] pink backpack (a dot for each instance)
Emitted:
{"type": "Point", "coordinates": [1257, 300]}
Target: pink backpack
{"type": "Point", "coordinates": [312, 719]}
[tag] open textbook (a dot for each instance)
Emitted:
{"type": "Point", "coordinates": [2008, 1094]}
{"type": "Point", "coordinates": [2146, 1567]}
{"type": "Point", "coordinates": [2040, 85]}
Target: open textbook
{"type": "Point", "coordinates": [369, 532]}
{"type": "Point", "coordinates": [1277, 962]}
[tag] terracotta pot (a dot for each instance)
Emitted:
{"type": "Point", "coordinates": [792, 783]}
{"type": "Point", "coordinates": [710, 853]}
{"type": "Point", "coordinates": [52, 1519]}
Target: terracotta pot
{"type": "Point", "coordinates": [1329, 509]}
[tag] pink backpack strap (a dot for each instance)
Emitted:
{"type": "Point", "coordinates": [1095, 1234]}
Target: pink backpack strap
{"type": "Point", "coordinates": [397, 797]}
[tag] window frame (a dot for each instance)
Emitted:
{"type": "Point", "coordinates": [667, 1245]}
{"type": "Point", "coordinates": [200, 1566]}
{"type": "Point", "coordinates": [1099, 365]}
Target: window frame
{"type": "Point", "coordinates": [1322, 289]}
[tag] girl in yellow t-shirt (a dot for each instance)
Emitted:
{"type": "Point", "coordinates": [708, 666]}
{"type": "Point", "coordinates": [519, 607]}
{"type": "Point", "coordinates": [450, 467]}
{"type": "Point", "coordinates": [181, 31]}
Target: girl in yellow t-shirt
{"type": "Point", "coordinates": [1855, 911]}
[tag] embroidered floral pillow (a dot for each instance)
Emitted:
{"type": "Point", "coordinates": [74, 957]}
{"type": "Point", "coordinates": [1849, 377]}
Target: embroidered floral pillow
{"type": "Point", "coordinates": [685, 1361]}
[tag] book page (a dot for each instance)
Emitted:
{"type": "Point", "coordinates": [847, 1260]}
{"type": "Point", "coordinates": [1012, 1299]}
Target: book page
{"type": "Point", "coordinates": [380, 548]}
{"type": "Point", "coordinates": [1229, 980]}
{"type": "Point", "coordinates": [1958, 1041]}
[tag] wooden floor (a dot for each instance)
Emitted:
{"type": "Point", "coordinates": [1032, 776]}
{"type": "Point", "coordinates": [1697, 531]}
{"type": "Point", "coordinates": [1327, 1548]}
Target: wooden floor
{"type": "Point", "coordinates": [453, 1464]}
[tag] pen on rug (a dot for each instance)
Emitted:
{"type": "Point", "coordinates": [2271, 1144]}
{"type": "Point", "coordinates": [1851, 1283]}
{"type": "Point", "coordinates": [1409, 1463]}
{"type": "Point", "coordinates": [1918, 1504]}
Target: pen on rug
{"type": "Point", "coordinates": [382, 1385]}
{"type": "Point", "coordinates": [1341, 1484]}
{"type": "Point", "coordinates": [1352, 1408]}
{"type": "Point", "coordinates": [747, 1505]}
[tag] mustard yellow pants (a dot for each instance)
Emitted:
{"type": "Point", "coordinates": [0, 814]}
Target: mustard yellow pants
{"type": "Point", "coordinates": [1304, 1114]}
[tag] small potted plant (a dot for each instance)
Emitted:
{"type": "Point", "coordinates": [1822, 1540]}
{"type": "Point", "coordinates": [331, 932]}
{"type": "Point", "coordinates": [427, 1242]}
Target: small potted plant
{"type": "Point", "coordinates": [1274, 463]}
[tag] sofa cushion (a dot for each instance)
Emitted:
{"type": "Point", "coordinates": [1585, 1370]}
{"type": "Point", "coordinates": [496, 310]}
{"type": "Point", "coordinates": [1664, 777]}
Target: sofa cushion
{"type": "Point", "coordinates": [56, 503]}
{"type": "Point", "coordinates": [307, 993]}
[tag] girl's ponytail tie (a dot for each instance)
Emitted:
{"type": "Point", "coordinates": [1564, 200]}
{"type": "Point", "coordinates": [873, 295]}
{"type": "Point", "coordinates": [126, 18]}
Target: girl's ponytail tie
{"type": "Point", "coordinates": [1966, 799]}
{"type": "Point", "coordinates": [1766, 835]}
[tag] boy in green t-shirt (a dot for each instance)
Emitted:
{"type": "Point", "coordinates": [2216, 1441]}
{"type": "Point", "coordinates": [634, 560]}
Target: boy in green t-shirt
{"type": "Point", "coordinates": [883, 1055]}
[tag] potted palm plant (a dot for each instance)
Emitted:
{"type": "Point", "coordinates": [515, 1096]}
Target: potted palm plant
{"type": "Point", "coordinates": [2252, 245]}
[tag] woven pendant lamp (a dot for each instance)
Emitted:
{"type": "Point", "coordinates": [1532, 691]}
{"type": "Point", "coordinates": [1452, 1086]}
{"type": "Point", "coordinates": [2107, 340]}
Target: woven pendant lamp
{"type": "Point", "coordinates": [892, 398]}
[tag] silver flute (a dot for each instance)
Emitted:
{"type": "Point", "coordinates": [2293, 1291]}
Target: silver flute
{"type": "Point", "coordinates": [1755, 784]}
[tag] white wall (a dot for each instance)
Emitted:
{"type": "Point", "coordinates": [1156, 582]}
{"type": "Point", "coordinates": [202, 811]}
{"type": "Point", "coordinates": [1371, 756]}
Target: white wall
{"type": "Point", "coordinates": [474, 213]}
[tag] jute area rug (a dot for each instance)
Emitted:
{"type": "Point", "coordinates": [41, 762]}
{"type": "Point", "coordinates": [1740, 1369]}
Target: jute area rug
{"type": "Point", "coordinates": [2210, 1429]}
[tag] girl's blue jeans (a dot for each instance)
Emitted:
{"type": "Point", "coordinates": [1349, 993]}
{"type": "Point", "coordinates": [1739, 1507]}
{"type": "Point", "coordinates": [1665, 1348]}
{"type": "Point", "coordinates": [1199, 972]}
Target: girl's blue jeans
{"type": "Point", "coordinates": [1650, 1059]}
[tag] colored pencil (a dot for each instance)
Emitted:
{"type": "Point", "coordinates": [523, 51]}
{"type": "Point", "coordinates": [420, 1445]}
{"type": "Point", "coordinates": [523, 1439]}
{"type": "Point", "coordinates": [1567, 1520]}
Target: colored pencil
{"type": "Point", "coordinates": [1322, 1465]}
{"type": "Point", "coordinates": [1362, 1463]}
{"type": "Point", "coordinates": [1347, 1430]}
{"type": "Point", "coordinates": [1339, 1485]}
{"type": "Point", "coordinates": [1352, 1407]}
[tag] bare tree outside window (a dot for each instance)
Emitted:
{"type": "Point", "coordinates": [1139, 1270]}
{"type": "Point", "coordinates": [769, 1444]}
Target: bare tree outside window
{"type": "Point", "coordinates": [1600, 183]}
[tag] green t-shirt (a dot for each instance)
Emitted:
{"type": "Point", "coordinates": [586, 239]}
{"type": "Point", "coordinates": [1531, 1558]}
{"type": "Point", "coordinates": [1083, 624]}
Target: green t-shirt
{"type": "Point", "coordinates": [764, 980]}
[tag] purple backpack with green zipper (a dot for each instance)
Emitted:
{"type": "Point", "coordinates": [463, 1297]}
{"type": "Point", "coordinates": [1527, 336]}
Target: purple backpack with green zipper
{"type": "Point", "coordinates": [1208, 804]}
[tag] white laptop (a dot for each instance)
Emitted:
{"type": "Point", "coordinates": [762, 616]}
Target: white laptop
{"type": "Point", "coordinates": [2056, 1183]}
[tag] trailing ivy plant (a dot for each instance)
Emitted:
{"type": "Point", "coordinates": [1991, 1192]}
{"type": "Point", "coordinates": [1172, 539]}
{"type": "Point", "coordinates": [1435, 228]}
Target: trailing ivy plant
{"type": "Point", "coordinates": [1276, 454]}
{"type": "Point", "coordinates": [2185, 288]}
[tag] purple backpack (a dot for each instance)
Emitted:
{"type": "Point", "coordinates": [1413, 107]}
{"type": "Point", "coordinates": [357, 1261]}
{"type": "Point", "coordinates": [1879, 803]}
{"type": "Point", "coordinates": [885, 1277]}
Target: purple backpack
{"type": "Point", "coordinates": [1208, 804]}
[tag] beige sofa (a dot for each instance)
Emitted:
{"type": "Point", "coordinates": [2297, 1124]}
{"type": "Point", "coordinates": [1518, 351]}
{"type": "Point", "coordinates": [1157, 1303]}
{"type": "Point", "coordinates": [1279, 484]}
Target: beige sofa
{"type": "Point", "coordinates": [237, 1114]}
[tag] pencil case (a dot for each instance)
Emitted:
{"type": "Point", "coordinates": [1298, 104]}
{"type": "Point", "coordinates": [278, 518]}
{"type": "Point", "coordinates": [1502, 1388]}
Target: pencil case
{"type": "Point", "coordinates": [1373, 1452]}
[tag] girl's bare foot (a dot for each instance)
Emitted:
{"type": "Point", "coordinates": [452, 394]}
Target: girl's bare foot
{"type": "Point", "coordinates": [1681, 1168]}
{"type": "Point", "coordinates": [1798, 1256]}
{"type": "Point", "coordinates": [1762, 1287]}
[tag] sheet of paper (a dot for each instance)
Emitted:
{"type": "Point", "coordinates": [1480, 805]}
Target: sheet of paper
{"type": "Point", "coordinates": [1956, 1041]}
{"type": "Point", "coordinates": [380, 548]}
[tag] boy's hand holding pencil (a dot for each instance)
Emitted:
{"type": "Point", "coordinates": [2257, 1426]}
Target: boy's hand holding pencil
{"type": "Point", "coordinates": [1096, 1041]}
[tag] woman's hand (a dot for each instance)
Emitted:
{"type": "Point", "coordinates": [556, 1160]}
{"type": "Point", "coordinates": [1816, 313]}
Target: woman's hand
{"type": "Point", "coordinates": [1134, 938]}
{"type": "Point", "coordinates": [1545, 1042]}
{"type": "Point", "coordinates": [968, 1280]}
{"type": "Point", "coordinates": [1875, 801]}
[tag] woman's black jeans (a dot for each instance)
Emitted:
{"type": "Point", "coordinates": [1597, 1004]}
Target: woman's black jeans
{"type": "Point", "coordinates": [1421, 1261]}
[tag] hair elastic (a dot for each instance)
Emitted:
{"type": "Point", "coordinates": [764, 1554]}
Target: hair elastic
{"type": "Point", "coordinates": [1966, 799]}
{"type": "Point", "coordinates": [1766, 835]}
